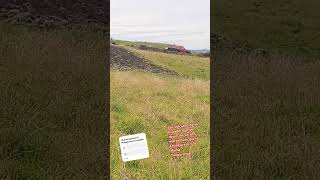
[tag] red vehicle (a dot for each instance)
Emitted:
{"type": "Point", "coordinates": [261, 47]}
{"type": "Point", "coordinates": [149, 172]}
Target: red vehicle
{"type": "Point", "coordinates": [183, 50]}
{"type": "Point", "coordinates": [178, 49]}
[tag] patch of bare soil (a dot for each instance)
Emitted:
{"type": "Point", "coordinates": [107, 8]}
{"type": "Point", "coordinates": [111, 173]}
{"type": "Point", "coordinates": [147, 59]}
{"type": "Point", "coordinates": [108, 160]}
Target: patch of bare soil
{"type": "Point", "coordinates": [55, 13]}
{"type": "Point", "coordinates": [125, 60]}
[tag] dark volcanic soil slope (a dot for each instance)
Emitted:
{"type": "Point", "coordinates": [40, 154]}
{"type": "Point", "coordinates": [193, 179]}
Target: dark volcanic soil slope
{"type": "Point", "coordinates": [52, 13]}
{"type": "Point", "coordinates": [123, 59]}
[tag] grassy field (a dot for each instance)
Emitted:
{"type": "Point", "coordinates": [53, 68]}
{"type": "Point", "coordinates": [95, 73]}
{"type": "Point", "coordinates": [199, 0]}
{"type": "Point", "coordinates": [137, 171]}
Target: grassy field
{"type": "Point", "coordinates": [189, 66]}
{"type": "Point", "coordinates": [53, 120]}
{"type": "Point", "coordinates": [144, 102]}
{"type": "Point", "coordinates": [266, 111]}
{"type": "Point", "coordinates": [266, 116]}
{"type": "Point", "coordinates": [290, 26]}
{"type": "Point", "coordinates": [149, 103]}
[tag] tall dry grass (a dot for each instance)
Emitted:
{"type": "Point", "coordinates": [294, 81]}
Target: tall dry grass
{"type": "Point", "coordinates": [266, 117]}
{"type": "Point", "coordinates": [149, 103]}
{"type": "Point", "coordinates": [53, 120]}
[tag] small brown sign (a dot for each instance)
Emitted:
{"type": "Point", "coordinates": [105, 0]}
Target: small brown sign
{"type": "Point", "coordinates": [180, 136]}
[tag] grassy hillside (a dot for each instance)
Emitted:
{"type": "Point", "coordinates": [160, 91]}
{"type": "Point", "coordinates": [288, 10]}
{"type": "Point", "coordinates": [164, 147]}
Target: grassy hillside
{"type": "Point", "coordinates": [290, 26]}
{"type": "Point", "coordinates": [137, 43]}
{"type": "Point", "coordinates": [52, 104]}
{"type": "Point", "coordinates": [189, 66]}
{"type": "Point", "coordinates": [149, 103]}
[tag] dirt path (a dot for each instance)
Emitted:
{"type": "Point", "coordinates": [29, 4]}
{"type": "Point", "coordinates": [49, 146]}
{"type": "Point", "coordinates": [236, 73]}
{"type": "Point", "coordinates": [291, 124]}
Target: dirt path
{"type": "Point", "coordinates": [124, 60]}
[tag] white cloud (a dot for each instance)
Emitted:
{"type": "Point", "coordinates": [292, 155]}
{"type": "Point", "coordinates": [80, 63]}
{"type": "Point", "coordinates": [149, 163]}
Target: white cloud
{"type": "Point", "coordinates": [185, 22]}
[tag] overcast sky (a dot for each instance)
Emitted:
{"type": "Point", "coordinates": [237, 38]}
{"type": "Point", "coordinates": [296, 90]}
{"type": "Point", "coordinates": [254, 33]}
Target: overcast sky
{"type": "Point", "coordinates": [182, 22]}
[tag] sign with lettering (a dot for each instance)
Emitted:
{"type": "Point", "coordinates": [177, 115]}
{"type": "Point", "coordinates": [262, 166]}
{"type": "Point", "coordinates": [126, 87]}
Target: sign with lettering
{"type": "Point", "coordinates": [181, 136]}
{"type": "Point", "coordinates": [134, 147]}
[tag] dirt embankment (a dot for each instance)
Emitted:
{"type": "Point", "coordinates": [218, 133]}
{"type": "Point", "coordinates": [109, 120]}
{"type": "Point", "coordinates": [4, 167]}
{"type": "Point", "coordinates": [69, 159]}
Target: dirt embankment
{"type": "Point", "coordinates": [53, 13]}
{"type": "Point", "coordinates": [124, 60]}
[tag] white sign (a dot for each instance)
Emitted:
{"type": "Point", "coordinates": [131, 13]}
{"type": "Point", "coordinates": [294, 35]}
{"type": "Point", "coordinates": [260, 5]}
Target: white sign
{"type": "Point", "coordinates": [134, 147]}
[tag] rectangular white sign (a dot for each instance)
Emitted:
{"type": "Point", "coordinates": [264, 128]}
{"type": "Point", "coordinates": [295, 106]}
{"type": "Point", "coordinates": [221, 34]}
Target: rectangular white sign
{"type": "Point", "coordinates": [134, 147]}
